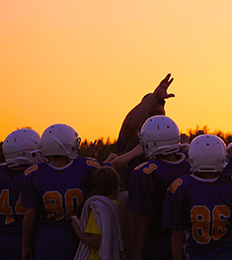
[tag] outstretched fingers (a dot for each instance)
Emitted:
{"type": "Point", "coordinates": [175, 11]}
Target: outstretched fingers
{"type": "Point", "coordinates": [161, 90]}
{"type": "Point", "coordinates": [166, 82]}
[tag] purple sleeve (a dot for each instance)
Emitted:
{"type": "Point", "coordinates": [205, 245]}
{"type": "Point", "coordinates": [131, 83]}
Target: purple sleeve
{"type": "Point", "coordinates": [29, 195]}
{"type": "Point", "coordinates": [174, 209]}
{"type": "Point", "coordinates": [140, 193]}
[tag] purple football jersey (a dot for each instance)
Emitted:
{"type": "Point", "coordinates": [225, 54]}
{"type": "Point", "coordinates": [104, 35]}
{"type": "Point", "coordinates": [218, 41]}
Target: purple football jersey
{"type": "Point", "coordinates": [148, 184]}
{"type": "Point", "coordinates": [201, 208]}
{"type": "Point", "coordinates": [57, 194]}
{"type": "Point", "coordinates": [11, 213]}
{"type": "Point", "coordinates": [228, 169]}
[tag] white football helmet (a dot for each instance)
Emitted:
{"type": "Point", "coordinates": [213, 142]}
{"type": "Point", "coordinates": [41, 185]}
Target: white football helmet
{"type": "Point", "coordinates": [159, 135]}
{"type": "Point", "coordinates": [207, 153]}
{"type": "Point", "coordinates": [229, 149]}
{"type": "Point", "coordinates": [229, 146]}
{"type": "Point", "coordinates": [60, 139]}
{"type": "Point", "coordinates": [22, 147]}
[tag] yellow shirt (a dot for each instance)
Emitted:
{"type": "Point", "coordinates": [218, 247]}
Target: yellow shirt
{"type": "Point", "coordinates": [93, 228]}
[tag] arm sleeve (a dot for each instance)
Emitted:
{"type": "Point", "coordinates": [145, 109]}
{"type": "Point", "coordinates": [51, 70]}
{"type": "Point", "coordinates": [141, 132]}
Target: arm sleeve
{"type": "Point", "coordinates": [174, 209]}
{"type": "Point", "coordinates": [30, 197]}
{"type": "Point", "coordinates": [141, 189]}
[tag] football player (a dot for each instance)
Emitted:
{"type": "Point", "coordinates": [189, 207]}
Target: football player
{"type": "Point", "coordinates": [56, 190]}
{"type": "Point", "coordinates": [228, 168]}
{"type": "Point", "coordinates": [198, 206]}
{"type": "Point", "coordinates": [151, 104]}
{"type": "Point", "coordinates": [160, 139]}
{"type": "Point", "coordinates": [229, 149]}
{"type": "Point", "coordinates": [20, 148]}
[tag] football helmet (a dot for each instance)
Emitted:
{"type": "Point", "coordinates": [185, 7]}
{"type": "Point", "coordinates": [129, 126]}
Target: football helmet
{"type": "Point", "coordinates": [60, 139]}
{"type": "Point", "coordinates": [207, 153]}
{"type": "Point", "coordinates": [159, 135]}
{"type": "Point", "coordinates": [22, 147]}
{"type": "Point", "coordinates": [229, 146]}
{"type": "Point", "coordinates": [229, 149]}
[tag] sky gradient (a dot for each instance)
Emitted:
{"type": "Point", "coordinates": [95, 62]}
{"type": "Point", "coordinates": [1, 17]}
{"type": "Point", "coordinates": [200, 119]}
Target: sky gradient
{"type": "Point", "coordinates": [87, 63]}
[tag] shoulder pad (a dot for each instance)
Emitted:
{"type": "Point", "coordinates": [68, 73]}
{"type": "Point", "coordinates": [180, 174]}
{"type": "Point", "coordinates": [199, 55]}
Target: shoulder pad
{"type": "Point", "coordinates": [147, 167]}
{"type": "Point", "coordinates": [30, 169]}
{"type": "Point", "coordinates": [93, 163]}
{"type": "Point", "coordinates": [175, 185]}
{"type": "Point", "coordinates": [150, 168]}
{"type": "Point", "coordinates": [140, 166]}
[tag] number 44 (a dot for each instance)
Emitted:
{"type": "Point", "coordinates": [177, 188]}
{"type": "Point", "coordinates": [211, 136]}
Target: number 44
{"type": "Point", "coordinates": [6, 209]}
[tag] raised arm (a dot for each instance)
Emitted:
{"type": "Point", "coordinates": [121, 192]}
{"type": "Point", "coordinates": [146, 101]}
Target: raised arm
{"type": "Point", "coordinates": [122, 161]}
{"type": "Point", "coordinates": [151, 104]}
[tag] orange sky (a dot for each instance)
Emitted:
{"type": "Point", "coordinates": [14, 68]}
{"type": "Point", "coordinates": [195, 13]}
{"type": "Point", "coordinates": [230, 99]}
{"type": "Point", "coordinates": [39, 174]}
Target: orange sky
{"type": "Point", "coordinates": [87, 63]}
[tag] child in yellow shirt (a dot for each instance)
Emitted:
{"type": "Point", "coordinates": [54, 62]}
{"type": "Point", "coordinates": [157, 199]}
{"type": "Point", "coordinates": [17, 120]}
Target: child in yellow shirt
{"type": "Point", "coordinates": [100, 231]}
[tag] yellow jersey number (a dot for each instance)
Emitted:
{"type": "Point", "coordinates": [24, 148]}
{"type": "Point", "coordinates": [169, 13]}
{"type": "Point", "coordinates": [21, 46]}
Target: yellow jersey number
{"type": "Point", "coordinates": [200, 218]}
{"type": "Point", "coordinates": [54, 204]}
{"type": "Point", "coordinates": [6, 209]}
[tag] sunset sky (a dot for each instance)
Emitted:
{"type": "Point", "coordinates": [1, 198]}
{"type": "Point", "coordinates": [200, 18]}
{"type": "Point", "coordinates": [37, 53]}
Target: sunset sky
{"type": "Point", "coordinates": [86, 63]}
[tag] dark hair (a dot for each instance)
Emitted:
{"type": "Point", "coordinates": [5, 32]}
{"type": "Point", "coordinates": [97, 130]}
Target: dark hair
{"type": "Point", "coordinates": [105, 181]}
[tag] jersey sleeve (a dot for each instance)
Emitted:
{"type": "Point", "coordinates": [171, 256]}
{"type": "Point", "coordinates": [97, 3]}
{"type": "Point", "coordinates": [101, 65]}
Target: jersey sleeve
{"type": "Point", "coordinates": [174, 209]}
{"type": "Point", "coordinates": [141, 192]}
{"type": "Point", "coordinates": [30, 198]}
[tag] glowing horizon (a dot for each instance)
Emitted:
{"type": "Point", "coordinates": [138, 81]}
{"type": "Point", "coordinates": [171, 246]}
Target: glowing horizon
{"type": "Point", "coordinates": [87, 63]}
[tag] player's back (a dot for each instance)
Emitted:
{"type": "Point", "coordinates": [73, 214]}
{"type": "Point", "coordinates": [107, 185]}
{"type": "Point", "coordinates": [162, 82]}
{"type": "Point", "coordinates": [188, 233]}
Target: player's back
{"type": "Point", "coordinates": [57, 193]}
{"type": "Point", "coordinates": [11, 211]}
{"type": "Point", "coordinates": [62, 190]}
{"type": "Point", "coordinates": [204, 207]}
{"type": "Point", "coordinates": [149, 182]}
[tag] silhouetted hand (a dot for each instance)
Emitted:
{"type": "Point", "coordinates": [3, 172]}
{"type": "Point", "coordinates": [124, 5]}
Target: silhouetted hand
{"type": "Point", "coordinates": [161, 91]}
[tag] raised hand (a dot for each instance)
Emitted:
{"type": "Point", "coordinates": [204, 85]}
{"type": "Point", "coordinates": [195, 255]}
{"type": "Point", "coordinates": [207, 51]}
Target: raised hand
{"type": "Point", "coordinates": [161, 91]}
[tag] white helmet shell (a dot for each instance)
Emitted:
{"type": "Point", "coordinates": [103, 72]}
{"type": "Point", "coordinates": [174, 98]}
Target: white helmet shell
{"type": "Point", "coordinates": [22, 147]}
{"type": "Point", "coordinates": [60, 139]}
{"type": "Point", "coordinates": [207, 153]}
{"type": "Point", "coordinates": [159, 135]}
{"type": "Point", "coordinates": [229, 146]}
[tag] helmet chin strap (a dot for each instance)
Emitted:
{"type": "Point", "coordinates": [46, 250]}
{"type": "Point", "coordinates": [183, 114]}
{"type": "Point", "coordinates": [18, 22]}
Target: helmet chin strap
{"type": "Point", "coordinates": [17, 161]}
